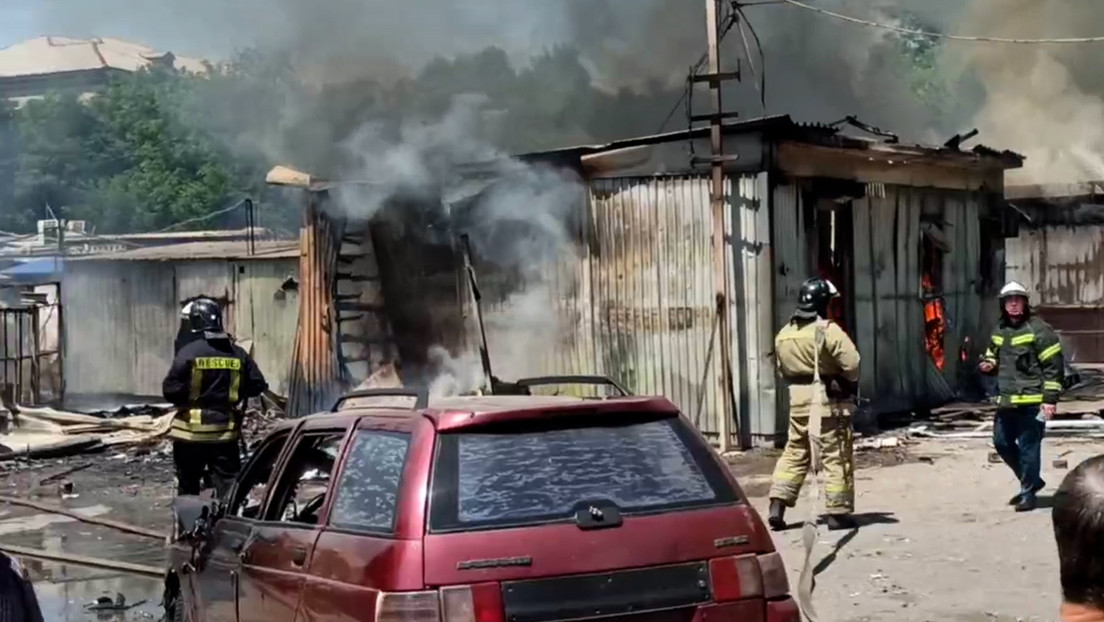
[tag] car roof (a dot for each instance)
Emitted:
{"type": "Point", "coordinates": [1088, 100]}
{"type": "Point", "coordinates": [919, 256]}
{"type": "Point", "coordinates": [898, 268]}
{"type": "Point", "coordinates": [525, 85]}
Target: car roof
{"type": "Point", "coordinates": [452, 413]}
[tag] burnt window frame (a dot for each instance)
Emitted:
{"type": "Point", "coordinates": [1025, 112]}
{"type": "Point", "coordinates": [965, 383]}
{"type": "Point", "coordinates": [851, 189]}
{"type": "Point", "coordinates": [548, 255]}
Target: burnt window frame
{"type": "Point", "coordinates": [276, 491]}
{"type": "Point", "coordinates": [280, 440]}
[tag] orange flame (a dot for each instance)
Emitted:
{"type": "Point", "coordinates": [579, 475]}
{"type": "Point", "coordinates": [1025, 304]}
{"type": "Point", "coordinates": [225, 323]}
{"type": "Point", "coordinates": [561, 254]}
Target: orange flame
{"type": "Point", "coordinates": [935, 326]}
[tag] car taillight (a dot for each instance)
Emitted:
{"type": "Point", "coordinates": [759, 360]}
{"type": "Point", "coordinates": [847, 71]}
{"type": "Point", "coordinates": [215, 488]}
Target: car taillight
{"type": "Point", "coordinates": [748, 576]}
{"type": "Point", "coordinates": [775, 582]}
{"type": "Point", "coordinates": [408, 607]}
{"type": "Point", "coordinates": [475, 603]}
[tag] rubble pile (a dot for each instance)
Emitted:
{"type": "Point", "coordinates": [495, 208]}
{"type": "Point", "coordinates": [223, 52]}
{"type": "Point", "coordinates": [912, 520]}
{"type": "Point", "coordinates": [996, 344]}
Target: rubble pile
{"type": "Point", "coordinates": [33, 433]}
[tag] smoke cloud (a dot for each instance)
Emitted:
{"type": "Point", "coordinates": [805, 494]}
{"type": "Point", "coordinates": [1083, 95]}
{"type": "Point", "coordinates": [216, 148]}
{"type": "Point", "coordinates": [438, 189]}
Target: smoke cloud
{"type": "Point", "coordinates": [816, 68]}
{"type": "Point", "coordinates": [1045, 101]}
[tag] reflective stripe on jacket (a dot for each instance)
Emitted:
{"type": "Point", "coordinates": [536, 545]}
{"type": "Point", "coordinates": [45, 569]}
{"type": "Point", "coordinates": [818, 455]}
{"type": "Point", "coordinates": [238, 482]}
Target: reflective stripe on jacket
{"type": "Point", "coordinates": [207, 383]}
{"type": "Point", "coordinates": [1029, 363]}
{"type": "Point", "coordinates": [204, 426]}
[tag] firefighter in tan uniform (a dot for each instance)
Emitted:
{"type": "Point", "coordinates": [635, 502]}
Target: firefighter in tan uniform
{"type": "Point", "coordinates": [795, 351]}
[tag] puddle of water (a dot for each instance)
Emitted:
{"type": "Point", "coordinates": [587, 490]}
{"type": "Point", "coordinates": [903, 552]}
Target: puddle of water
{"type": "Point", "coordinates": [64, 593]}
{"type": "Point", "coordinates": [64, 590]}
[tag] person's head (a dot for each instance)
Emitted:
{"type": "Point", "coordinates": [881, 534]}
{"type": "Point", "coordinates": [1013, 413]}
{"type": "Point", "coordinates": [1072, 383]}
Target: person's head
{"type": "Point", "coordinates": [205, 316]}
{"type": "Point", "coordinates": [1078, 516]}
{"type": "Point", "coordinates": [1013, 298]}
{"type": "Point", "coordinates": [814, 297]}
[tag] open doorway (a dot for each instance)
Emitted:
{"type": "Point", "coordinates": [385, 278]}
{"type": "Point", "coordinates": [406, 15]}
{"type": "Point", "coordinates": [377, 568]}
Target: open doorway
{"type": "Point", "coordinates": [933, 250]}
{"type": "Point", "coordinates": [831, 229]}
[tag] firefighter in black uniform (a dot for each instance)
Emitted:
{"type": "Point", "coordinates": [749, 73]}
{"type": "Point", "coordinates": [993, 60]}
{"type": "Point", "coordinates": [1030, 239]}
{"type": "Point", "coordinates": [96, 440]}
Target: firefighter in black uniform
{"type": "Point", "coordinates": [209, 380]}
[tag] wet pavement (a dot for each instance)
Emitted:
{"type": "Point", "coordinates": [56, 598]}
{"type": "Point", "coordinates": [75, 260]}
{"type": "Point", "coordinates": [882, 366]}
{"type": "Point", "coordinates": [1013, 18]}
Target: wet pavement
{"type": "Point", "coordinates": [135, 490]}
{"type": "Point", "coordinates": [65, 593]}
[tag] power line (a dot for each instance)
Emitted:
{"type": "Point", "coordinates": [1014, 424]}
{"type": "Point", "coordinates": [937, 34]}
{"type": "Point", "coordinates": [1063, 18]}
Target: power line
{"type": "Point", "coordinates": [203, 217]}
{"type": "Point", "coordinates": [936, 35]}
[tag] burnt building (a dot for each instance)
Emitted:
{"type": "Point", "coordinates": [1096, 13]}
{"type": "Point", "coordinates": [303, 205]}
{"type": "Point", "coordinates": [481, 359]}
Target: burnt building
{"type": "Point", "coordinates": [911, 234]}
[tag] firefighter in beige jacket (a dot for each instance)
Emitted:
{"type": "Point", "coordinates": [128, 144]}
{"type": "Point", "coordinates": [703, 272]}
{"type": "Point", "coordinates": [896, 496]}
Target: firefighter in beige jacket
{"type": "Point", "coordinates": [795, 349]}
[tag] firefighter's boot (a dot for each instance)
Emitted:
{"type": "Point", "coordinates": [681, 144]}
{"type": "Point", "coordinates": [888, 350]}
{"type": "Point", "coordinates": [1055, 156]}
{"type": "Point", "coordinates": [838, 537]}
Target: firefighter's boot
{"type": "Point", "coordinates": [841, 522]}
{"type": "Point", "coordinates": [777, 517]}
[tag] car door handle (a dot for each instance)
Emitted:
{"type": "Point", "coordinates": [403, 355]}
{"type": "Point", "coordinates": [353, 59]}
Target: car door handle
{"type": "Point", "coordinates": [298, 556]}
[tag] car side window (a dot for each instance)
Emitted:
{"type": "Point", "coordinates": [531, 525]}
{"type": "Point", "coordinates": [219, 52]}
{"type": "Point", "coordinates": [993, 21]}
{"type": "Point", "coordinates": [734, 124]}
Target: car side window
{"type": "Point", "coordinates": [253, 484]}
{"type": "Point", "coordinates": [367, 493]}
{"type": "Point", "coordinates": [303, 485]}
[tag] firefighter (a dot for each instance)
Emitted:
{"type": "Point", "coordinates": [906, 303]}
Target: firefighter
{"type": "Point", "coordinates": [209, 380]}
{"type": "Point", "coordinates": [1027, 360]}
{"type": "Point", "coordinates": [795, 348]}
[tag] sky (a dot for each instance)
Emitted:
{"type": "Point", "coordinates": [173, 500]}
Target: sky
{"type": "Point", "coordinates": [16, 21]}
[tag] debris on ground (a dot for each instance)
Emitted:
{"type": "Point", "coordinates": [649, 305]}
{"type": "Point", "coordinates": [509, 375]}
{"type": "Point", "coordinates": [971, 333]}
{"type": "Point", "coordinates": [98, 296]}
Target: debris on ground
{"type": "Point", "coordinates": [1087, 427]}
{"type": "Point", "coordinates": [878, 442]}
{"type": "Point", "coordinates": [119, 603]}
{"type": "Point", "coordinates": [33, 433]}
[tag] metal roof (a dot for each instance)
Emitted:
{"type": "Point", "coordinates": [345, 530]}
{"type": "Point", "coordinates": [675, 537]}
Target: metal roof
{"type": "Point", "coordinates": [239, 250]}
{"type": "Point", "coordinates": [50, 55]}
{"type": "Point", "coordinates": [784, 128]}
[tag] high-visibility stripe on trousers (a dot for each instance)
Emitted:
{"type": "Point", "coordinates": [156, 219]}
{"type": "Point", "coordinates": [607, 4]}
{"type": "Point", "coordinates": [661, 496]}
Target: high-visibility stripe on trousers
{"type": "Point", "coordinates": [837, 455]}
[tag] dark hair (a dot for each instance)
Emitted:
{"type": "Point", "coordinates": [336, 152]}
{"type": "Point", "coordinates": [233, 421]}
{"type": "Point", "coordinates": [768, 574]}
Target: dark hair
{"type": "Point", "coordinates": [1079, 529]}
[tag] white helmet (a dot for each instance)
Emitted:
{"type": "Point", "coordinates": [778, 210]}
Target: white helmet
{"type": "Point", "coordinates": [1012, 288]}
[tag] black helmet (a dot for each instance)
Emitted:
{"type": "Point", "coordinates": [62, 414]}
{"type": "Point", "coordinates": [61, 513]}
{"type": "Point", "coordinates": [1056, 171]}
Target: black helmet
{"type": "Point", "coordinates": [205, 316]}
{"type": "Point", "coordinates": [814, 297]}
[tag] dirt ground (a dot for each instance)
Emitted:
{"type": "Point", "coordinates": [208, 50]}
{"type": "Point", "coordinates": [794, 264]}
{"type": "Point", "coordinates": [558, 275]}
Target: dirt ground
{"type": "Point", "coordinates": [937, 541]}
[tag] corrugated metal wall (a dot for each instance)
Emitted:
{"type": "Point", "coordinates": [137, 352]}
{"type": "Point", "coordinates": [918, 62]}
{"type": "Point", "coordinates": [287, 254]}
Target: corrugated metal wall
{"type": "Point", "coordinates": [121, 318]}
{"type": "Point", "coordinates": [1063, 267]}
{"type": "Point", "coordinates": [639, 304]}
{"type": "Point", "coordinates": [120, 321]}
{"type": "Point", "coordinates": [897, 372]}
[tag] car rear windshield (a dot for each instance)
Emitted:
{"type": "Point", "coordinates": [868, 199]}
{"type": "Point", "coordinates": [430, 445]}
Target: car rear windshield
{"type": "Point", "coordinates": [524, 476]}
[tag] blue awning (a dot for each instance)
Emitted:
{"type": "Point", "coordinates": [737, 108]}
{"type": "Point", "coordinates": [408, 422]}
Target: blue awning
{"type": "Point", "coordinates": [35, 270]}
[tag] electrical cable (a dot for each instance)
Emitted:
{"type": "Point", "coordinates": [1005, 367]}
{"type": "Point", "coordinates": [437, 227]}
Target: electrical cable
{"type": "Point", "coordinates": [936, 35]}
{"type": "Point", "coordinates": [204, 217]}
{"type": "Point", "coordinates": [729, 21]}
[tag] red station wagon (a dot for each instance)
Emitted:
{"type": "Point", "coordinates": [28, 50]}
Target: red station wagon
{"type": "Point", "coordinates": [482, 509]}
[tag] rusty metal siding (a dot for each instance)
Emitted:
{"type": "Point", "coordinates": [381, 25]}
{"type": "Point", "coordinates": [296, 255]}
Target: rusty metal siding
{"type": "Point", "coordinates": [1063, 268]}
{"type": "Point", "coordinates": [314, 378]}
{"type": "Point", "coordinates": [638, 303]}
{"type": "Point", "coordinates": [657, 325]}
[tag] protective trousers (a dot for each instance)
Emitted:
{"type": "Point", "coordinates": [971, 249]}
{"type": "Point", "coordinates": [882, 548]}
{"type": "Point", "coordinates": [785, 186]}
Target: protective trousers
{"type": "Point", "coordinates": [220, 461]}
{"type": "Point", "coordinates": [837, 455]}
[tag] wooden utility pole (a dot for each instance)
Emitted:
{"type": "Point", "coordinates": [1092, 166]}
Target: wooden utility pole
{"type": "Point", "coordinates": [715, 78]}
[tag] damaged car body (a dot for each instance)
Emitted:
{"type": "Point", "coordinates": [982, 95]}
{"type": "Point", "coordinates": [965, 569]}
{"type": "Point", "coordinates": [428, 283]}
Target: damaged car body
{"type": "Point", "coordinates": [479, 508]}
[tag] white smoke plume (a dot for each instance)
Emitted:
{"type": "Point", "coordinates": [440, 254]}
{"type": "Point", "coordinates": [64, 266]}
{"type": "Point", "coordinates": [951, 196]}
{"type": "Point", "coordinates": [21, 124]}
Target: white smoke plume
{"type": "Point", "coordinates": [459, 375]}
{"type": "Point", "coordinates": [1046, 101]}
